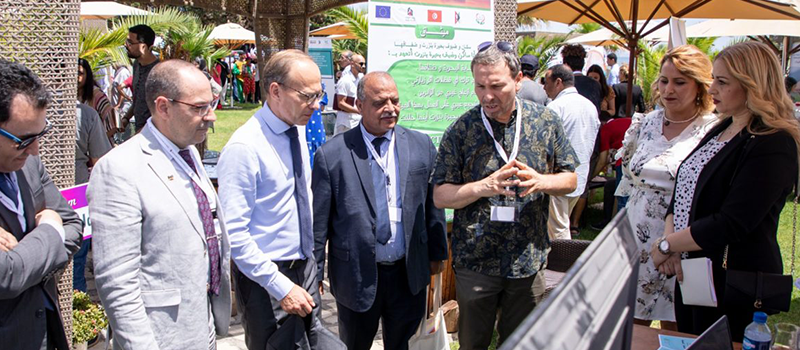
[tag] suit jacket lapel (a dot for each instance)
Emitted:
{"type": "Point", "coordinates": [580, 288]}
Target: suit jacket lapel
{"type": "Point", "coordinates": [27, 201]}
{"type": "Point", "coordinates": [355, 142]}
{"type": "Point", "coordinates": [166, 172]}
{"type": "Point", "coordinates": [11, 223]}
{"type": "Point", "coordinates": [401, 147]}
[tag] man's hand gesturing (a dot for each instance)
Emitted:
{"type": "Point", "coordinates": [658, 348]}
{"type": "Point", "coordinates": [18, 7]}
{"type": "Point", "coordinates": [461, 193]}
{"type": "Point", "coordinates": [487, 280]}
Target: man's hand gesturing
{"type": "Point", "coordinates": [497, 183]}
{"type": "Point", "coordinates": [531, 179]}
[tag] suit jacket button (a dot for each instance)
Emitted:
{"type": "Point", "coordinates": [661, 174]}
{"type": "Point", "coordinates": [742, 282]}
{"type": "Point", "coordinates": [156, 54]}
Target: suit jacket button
{"type": "Point", "coordinates": [39, 313]}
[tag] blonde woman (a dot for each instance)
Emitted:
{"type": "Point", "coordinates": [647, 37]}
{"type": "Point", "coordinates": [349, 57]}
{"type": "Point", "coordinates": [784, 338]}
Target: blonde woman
{"type": "Point", "coordinates": [731, 189]}
{"type": "Point", "coordinates": [654, 146]}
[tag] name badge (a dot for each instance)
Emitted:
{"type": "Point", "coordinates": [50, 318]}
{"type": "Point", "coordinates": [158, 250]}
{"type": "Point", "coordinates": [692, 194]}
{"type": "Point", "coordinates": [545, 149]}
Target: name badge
{"type": "Point", "coordinates": [504, 214]}
{"type": "Point", "coordinates": [395, 214]}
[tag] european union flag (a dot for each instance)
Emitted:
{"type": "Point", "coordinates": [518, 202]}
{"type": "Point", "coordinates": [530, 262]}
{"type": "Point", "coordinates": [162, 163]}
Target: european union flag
{"type": "Point", "coordinates": [383, 12]}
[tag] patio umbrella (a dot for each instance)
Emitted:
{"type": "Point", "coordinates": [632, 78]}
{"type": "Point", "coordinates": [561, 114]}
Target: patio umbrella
{"type": "Point", "coordinates": [232, 35]}
{"type": "Point", "coordinates": [606, 12]}
{"type": "Point", "coordinates": [605, 37]}
{"type": "Point", "coordinates": [339, 28]}
{"type": "Point", "coordinates": [755, 29]}
{"type": "Point", "coordinates": [108, 9]}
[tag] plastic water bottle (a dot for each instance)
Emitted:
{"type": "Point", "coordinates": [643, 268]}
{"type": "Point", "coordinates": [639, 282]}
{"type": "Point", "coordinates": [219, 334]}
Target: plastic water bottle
{"type": "Point", "coordinates": [757, 335]}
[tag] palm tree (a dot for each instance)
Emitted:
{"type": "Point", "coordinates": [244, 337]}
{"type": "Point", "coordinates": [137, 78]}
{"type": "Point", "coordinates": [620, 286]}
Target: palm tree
{"type": "Point", "coordinates": [356, 21]}
{"type": "Point", "coordinates": [648, 67]}
{"type": "Point", "coordinates": [545, 47]}
{"type": "Point", "coordinates": [184, 38]}
{"type": "Point", "coordinates": [586, 28]}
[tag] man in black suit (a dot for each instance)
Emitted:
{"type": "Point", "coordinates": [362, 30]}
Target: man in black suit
{"type": "Point", "coordinates": [574, 56]}
{"type": "Point", "coordinates": [374, 206]}
{"type": "Point", "coordinates": [38, 229]}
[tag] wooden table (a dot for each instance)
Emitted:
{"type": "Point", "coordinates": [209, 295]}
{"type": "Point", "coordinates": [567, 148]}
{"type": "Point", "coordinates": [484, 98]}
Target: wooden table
{"type": "Point", "coordinates": [646, 338]}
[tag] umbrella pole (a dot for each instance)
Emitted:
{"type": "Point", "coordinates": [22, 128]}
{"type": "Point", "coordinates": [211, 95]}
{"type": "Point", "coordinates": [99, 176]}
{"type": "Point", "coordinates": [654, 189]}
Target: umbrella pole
{"type": "Point", "coordinates": [785, 54]}
{"type": "Point", "coordinates": [632, 49]}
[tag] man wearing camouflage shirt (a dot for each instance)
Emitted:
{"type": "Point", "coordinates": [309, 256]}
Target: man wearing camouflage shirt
{"type": "Point", "coordinates": [497, 166]}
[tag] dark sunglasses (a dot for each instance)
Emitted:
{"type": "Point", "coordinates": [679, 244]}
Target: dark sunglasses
{"type": "Point", "coordinates": [363, 64]}
{"type": "Point", "coordinates": [24, 143]}
{"type": "Point", "coordinates": [504, 46]}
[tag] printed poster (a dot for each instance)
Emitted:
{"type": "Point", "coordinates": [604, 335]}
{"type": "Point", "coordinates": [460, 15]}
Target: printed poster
{"type": "Point", "coordinates": [76, 198]}
{"type": "Point", "coordinates": [427, 47]}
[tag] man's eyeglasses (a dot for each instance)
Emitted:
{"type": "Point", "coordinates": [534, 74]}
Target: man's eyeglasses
{"type": "Point", "coordinates": [24, 143]}
{"type": "Point", "coordinates": [310, 98]}
{"type": "Point", "coordinates": [202, 110]}
{"type": "Point", "coordinates": [503, 46]}
{"type": "Point", "coordinates": [129, 42]}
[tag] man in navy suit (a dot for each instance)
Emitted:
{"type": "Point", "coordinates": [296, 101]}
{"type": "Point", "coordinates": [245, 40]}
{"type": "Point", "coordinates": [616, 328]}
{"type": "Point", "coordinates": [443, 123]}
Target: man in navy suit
{"type": "Point", "coordinates": [374, 206]}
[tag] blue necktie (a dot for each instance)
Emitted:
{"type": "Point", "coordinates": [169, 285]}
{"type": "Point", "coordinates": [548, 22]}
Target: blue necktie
{"type": "Point", "coordinates": [379, 181]}
{"type": "Point", "coordinates": [8, 188]}
{"type": "Point", "coordinates": [301, 194]}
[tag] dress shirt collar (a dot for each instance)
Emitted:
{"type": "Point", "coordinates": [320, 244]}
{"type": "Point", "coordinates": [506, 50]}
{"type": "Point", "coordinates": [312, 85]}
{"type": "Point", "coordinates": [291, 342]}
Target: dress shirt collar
{"type": "Point", "coordinates": [567, 91]}
{"type": "Point", "coordinates": [274, 123]}
{"type": "Point", "coordinates": [163, 140]}
{"type": "Point", "coordinates": [370, 137]}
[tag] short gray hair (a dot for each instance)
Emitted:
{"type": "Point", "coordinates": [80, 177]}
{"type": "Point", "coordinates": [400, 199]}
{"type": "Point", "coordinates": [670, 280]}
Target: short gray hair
{"type": "Point", "coordinates": [162, 81]}
{"type": "Point", "coordinates": [360, 93]}
{"type": "Point", "coordinates": [492, 55]}
{"type": "Point", "coordinates": [277, 68]}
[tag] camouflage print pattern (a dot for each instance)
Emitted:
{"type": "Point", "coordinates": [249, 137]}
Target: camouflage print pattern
{"type": "Point", "coordinates": [467, 154]}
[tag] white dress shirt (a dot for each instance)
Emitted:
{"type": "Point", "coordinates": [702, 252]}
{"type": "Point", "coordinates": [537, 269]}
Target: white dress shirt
{"type": "Point", "coordinates": [257, 192]}
{"type": "Point", "coordinates": [581, 125]}
{"type": "Point", "coordinates": [395, 247]}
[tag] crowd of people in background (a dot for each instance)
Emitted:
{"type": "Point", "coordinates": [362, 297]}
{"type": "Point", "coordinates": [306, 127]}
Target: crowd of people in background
{"type": "Point", "coordinates": [704, 173]}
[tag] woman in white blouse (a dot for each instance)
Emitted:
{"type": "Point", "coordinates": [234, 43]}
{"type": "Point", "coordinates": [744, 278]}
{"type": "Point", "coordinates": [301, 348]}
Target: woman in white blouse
{"type": "Point", "coordinates": [654, 147]}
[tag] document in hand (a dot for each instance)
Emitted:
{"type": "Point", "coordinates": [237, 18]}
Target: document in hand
{"type": "Point", "coordinates": [697, 287]}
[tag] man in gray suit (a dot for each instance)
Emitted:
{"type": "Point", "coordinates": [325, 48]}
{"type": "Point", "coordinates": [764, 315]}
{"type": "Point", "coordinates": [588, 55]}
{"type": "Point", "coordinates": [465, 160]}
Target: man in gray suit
{"type": "Point", "coordinates": [161, 266]}
{"type": "Point", "coordinates": [374, 207]}
{"type": "Point", "coordinates": [38, 229]}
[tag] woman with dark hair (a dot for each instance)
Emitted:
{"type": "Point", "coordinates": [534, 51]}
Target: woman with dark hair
{"type": "Point", "coordinates": [89, 92]}
{"type": "Point", "coordinates": [731, 189]}
{"type": "Point", "coordinates": [607, 107]}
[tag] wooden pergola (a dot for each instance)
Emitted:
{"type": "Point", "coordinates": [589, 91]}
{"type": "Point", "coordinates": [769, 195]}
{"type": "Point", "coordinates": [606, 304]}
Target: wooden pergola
{"type": "Point", "coordinates": [43, 35]}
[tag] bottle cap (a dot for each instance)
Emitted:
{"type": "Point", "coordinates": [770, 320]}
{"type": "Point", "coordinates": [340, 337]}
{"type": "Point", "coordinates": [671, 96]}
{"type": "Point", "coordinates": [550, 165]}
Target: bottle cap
{"type": "Point", "coordinates": [759, 317]}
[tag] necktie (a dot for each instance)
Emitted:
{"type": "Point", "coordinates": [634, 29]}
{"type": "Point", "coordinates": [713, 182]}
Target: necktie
{"type": "Point", "coordinates": [8, 188]}
{"type": "Point", "coordinates": [379, 180]}
{"type": "Point", "coordinates": [301, 194]}
{"type": "Point", "coordinates": [208, 225]}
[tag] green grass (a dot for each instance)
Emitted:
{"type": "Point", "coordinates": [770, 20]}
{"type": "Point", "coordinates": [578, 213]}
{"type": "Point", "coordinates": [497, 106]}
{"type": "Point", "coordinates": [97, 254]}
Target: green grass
{"type": "Point", "coordinates": [228, 120]}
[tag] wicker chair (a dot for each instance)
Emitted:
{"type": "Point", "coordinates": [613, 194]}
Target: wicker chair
{"type": "Point", "coordinates": [563, 253]}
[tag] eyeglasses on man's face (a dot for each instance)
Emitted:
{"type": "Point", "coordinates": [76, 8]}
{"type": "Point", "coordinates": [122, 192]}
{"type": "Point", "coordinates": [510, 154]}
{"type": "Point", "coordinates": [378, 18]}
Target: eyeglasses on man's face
{"type": "Point", "coordinates": [201, 110]}
{"type": "Point", "coordinates": [310, 98]}
{"type": "Point", "coordinates": [23, 143]}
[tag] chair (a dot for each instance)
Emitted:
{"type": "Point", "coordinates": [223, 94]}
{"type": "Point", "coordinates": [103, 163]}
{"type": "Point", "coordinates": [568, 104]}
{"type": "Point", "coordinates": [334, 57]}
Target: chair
{"type": "Point", "coordinates": [563, 253]}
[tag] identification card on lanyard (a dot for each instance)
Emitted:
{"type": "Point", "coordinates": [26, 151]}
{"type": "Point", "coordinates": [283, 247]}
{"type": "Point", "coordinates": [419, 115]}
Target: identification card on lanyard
{"type": "Point", "coordinates": [395, 213]}
{"type": "Point", "coordinates": [508, 208]}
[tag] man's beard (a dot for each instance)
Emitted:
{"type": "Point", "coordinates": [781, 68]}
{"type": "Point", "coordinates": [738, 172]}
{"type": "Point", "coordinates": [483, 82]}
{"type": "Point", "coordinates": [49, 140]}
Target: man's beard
{"type": "Point", "coordinates": [130, 54]}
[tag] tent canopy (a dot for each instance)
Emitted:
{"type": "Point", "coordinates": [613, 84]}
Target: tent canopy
{"type": "Point", "coordinates": [108, 9]}
{"type": "Point", "coordinates": [232, 35]}
{"type": "Point", "coordinates": [605, 37]}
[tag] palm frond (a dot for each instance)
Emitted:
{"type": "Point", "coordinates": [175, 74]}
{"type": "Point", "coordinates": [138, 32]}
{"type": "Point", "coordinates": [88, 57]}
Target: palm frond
{"type": "Point", "coordinates": [543, 47]}
{"type": "Point", "coordinates": [101, 49]}
{"type": "Point", "coordinates": [356, 21]}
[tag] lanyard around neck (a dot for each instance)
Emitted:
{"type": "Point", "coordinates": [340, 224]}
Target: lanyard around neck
{"type": "Point", "coordinates": [382, 161]}
{"type": "Point", "coordinates": [497, 145]}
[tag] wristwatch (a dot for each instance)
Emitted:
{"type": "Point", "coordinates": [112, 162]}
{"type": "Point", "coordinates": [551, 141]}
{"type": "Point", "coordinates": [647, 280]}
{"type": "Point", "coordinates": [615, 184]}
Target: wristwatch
{"type": "Point", "coordinates": [663, 246]}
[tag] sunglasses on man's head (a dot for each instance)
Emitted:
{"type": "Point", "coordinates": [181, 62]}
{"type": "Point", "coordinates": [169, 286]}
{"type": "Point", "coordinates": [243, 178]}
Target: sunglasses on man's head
{"type": "Point", "coordinates": [27, 141]}
{"type": "Point", "coordinates": [503, 46]}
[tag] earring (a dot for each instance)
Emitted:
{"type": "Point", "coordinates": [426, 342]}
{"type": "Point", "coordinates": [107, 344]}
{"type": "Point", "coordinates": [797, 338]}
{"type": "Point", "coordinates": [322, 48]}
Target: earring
{"type": "Point", "coordinates": [697, 101]}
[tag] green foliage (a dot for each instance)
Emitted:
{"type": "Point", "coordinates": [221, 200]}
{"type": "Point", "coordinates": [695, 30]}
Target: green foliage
{"type": "Point", "coordinates": [704, 44]}
{"type": "Point", "coordinates": [88, 318]}
{"type": "Point", "coordinates": [320, 20]}
{"type": "Point", "coordinates": [101, 48]}
{"type": "Point", "coordinates": [356, 21]}
{"type": "Point", "coordinates": [648, 67]}
{"type": "Point", "coordinates": [545, 47]}
{"type": "Point", "coordinates": [586, 28]}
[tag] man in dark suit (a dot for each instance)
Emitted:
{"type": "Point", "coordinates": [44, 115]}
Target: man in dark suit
{"type": "Point", "coordinates": [574, 56]}
{"type": "Point", "coordinates": [374, 206]}
{"type": "Point", "coordinates": [38, 229]}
